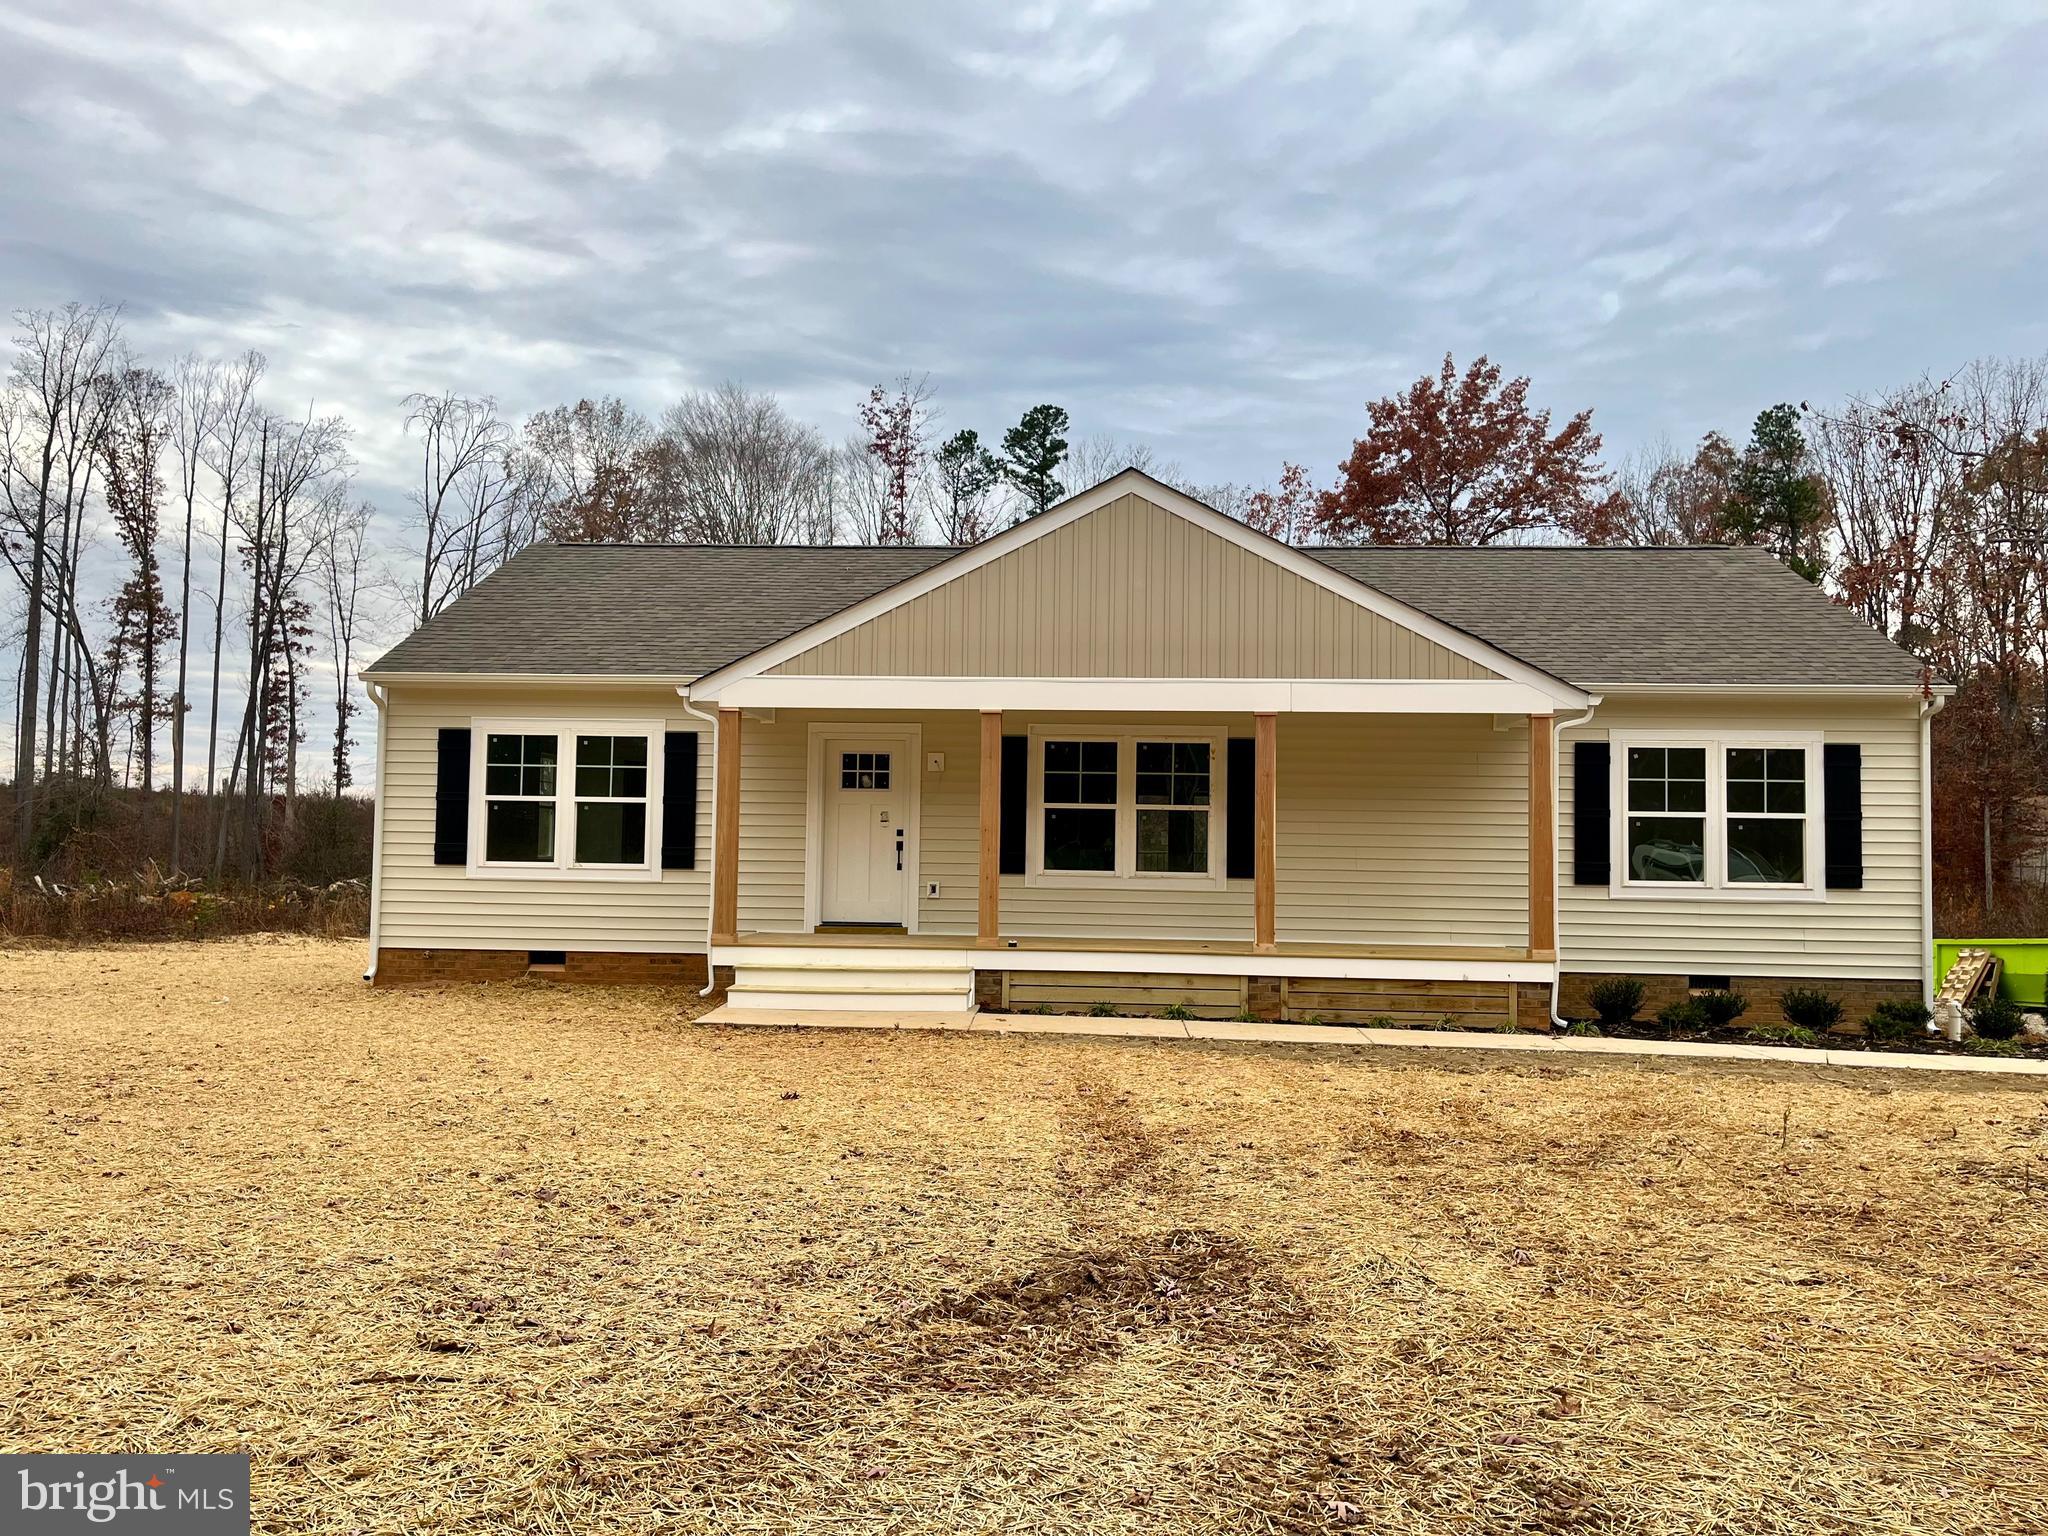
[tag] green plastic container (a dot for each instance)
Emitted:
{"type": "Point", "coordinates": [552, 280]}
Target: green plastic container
{"type": "Point", "coordinates": [2025, 976]}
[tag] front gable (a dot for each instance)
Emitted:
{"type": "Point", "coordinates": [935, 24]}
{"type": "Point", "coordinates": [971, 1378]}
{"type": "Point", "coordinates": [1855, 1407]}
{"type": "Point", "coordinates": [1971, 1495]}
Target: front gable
{"type": "Point", "coordinates": [1129, 584]}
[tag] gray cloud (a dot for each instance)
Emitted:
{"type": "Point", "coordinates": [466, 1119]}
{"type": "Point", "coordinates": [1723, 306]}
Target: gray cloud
{"type": "Point", "coordinates": [1220, 227]}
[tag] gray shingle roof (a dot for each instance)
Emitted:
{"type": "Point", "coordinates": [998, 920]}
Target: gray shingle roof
{"type": "Point", "coordinates": [652, 610]}
{"type": "Point", "coordinates": [1699, 616]}
{"type": "Point", "coordinates": [1594, 617]}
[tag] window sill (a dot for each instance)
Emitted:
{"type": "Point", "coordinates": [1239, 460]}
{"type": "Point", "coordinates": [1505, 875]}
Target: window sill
{"type": "Point", "coordinates": [608, 872]}
{"type": "Point", "coordinates": [1675, 890]}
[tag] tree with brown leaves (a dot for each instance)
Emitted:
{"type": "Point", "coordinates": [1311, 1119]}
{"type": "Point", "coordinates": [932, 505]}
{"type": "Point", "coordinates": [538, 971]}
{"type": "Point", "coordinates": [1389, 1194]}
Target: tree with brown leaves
{"type": "Point", "coordinates": [1464, 460]}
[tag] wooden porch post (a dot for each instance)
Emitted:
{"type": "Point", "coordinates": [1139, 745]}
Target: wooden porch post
{"type": "Point", "coordinates": [987, 909]}
{"type": "Point", "coordinates": [1264, 827]}
{"type": "Point", "coordinates": [1543, 836]}
{"type": "Point", "coordinates": [725, 814]}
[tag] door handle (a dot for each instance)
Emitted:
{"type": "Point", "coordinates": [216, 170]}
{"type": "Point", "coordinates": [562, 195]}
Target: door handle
{"type": "Point", "coordinates": [899, 851]}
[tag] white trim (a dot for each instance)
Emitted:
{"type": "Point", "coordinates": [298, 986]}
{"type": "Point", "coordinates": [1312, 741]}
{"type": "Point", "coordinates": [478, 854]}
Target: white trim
{"type": "Point", "coordinates": [1451, 638]}
{"type": "Point", "coordinates": [912, 738]}
{"type": "Point", "coordinates": [1158, 962]}
{"type": "Point", "coordinates": [563, 866]}
{"type": "Point", "coordinates": [1777, 690]}
{"type": "Point", "coordinates": [379, 696]}
{"type": "Point", "coordinates": [1138, 695]}
{"type": "Point", "coordinates": [1126, 876]}
{"type": "Point", "coordinates": [523, 679]}
{"type": "Point", "coordinates": [1714, 841]}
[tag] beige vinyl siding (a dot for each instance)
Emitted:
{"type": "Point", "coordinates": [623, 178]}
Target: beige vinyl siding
{"type": "Point", "coordinates": [1871, 933]}
{"type": "Point", "coordinates": [1393, 829]}
{"type": "Point", "coordinates": [1131, 591]}
{"type": "Point", "coordinates": [423, 905]}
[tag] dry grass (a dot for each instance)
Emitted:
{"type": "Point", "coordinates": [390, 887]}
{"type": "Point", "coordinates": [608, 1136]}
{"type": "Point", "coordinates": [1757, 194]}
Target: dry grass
{"type": "Point", "coordinates": [549, 1259]}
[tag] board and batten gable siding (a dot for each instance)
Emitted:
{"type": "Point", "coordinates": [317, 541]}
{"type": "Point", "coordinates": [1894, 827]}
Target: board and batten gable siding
{"type": "Point", "coordinates": [1131, 590]}
{"type": "Point", "coordinates": [424, 905]}
{"type": "Point", "coordinates": [1872, 933]}
{"type": "Point", "coordinates": [1392, 829]}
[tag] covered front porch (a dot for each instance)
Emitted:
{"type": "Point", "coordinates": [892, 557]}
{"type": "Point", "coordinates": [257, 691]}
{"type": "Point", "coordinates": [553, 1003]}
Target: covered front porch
{"type": "Point", "coordinates": [1364, 849]}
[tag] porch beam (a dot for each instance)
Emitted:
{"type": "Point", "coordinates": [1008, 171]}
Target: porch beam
{"type": "Point", "coordinates": [725, 818]}
{"type": "Point", "coordinates": [987, 908]}
{"type": "Point", "coordinates": [1543, 836]}
{"type": "Point", "coordinates": [1148, 695]}
{"type": "Point", "coordinates": [1264, 827]}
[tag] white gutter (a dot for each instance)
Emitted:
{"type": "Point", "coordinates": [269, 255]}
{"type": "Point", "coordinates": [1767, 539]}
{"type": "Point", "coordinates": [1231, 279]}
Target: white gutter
{"type": "Point", "coordinates": [378, 695]}
{"type": "Point", "coordinates": [711, 887]}
{"type": "Point", "coordinates": [1556, 901]}
{"type": "Point", "coordinates": [1929, 708]}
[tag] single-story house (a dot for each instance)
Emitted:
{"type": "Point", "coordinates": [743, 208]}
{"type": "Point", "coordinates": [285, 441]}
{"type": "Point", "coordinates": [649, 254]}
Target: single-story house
{"type": "Point", "coordinates": [1133, 752]}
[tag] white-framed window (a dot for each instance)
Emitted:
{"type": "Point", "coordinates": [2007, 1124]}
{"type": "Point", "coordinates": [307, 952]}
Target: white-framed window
{"type": "Point", "coordinates": [1723, 815]}
{"type": "Point", "coordinates": [571, 797]}
{"type": "Point", "coordinates": [1132, 806]}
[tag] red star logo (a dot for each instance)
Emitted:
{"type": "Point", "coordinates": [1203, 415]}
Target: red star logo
{"type": "Point", "coordinates": [155, 1481]}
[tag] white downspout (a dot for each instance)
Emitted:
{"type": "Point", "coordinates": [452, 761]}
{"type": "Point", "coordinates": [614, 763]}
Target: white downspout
{"type": "Point", "coordinates": [378, 694]}
{"type": "Point", "coordinates": [1929, 708]}
{"type": "Point", "coordinates": [710, 971]}
{"type": "Point", "coordinates": [1556, 809]}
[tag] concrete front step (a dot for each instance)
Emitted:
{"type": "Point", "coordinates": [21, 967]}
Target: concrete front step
{"type": "Point", "coordinates": [893, 978]}
{"type": "Point", "coordinates": [796, 957]}
{"type": "Point", "coordinates": [849, 999]}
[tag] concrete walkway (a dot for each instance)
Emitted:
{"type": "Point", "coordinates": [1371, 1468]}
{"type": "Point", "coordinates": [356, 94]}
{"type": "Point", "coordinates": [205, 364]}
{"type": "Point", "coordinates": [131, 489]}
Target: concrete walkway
{"type": "Point", "coordinates": [1346, 1034]}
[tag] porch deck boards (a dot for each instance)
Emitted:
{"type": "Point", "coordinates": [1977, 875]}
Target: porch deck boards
{"type": "Point", "coordinates": [1098, 945]}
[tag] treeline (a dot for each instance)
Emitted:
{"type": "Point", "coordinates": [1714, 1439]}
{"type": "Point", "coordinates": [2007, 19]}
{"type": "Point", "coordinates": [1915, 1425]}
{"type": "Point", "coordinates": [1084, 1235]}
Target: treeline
{"type": "Point", "coordinates": [175, 536]}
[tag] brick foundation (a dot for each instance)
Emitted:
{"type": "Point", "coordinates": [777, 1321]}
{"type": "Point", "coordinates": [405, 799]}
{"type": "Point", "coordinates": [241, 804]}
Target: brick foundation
{"type": "Point", "coordinates": [1263, 997]}
{"type": "Point", "coordinates": [988, 990]}
{"type": "Point", "coordinates": [1532, 1005]}
{"type": "Point", "coordinates": [1858, 996]}
{"type": "Point", "coordinates": [443, 967]}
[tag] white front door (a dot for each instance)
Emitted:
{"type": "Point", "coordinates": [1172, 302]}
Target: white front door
{"type": "Point", "coordinates": [865, 830]}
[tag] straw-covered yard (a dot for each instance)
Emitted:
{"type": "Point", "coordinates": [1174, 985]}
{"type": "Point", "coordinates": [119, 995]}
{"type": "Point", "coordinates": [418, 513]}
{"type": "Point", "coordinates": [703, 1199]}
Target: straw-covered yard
{"type": "Point", "coordinates": [540, 1259]}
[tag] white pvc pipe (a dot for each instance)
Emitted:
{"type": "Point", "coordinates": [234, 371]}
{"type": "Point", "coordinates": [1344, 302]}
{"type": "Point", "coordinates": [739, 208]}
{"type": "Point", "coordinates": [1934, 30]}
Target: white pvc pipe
{"type": "Point", "coordinates": [1556, 809]}
{"type": "Point", "coordinates": [378, 694]}
{"type": "Point", "coordinates": [717, 742]}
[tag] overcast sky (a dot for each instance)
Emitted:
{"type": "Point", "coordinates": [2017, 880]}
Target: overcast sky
{"type": "Point", "coordinates": [1217, 228]}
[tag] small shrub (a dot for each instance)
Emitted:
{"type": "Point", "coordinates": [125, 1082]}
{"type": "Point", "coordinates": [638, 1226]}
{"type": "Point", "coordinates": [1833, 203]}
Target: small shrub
{"type": "Point", "coordinates": [1311, 1018]}
{"type": "Point", "coordinates": [1996, 1018]}
{"type": "Point", "coordinates": [1246, 1016]}
{"type": "Point", "coordinates": [1584, 1029]}
{"type": "Point", "coordinates": [1682, 1019]}
{"type": "Point", "coordinates": [1984, 1046]}
{"type": "Point", "coordinates": [1897, 1022]}
{"type": "Point", "coordinates": [1616, 1000]}
{"type": "Point", "coordinates": [1101, 1011]}
{"type": "Point", "coordinates": [1784, 1034]}
{"type": "Point", "coordinates": [1811, 1009]}
{"type": "Point", "coordinates": [1381, 1021]}
{"type": "Point", "coordinates": [1176, 1011]}
{"type": "Point", "coordinates": [1722, 1008]}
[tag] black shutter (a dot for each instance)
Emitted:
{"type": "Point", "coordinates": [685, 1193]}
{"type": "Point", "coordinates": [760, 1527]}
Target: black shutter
{"type": "Point", "coordinates": [1241, 774]}
{"type": "Point", "coordinates": [1841, 766]}
{"type": "Point", "coordinates": [1592, 814]}
{"type": "Point", "coordinates": [451, 797]}
{"type": "Point", "coordinates": [1016, 803]}
{"type": "Point", "coordinates": [679, 800]}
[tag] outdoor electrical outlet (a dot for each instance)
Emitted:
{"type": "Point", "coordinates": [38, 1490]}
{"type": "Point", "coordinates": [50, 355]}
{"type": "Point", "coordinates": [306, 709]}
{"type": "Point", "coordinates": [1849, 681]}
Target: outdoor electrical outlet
{"type": "Point", "coordinates": [931, 887]}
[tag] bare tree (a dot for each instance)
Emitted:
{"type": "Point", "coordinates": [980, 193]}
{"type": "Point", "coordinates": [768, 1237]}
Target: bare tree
{"type": "Point", "coordinates": [463, 446]}
{"type": "Point", "coordinates": [899, 427]}
{"type": "Point", "coordinates": [195, 407]}
{"type": "Point", "coordinates": [1667, 498]}
{"type": "Point", "coordinates": [47, 402]}
{"type": "Point", "coordinates": [230, 446]}
{"type": "Point", "coordinates": [137, 421]}
{"type": "Point", "coordinates": [744, 470]}
{"type": "Point", "coordinates": [344, 567]}
{"type": "Point", "coordinates": [300, 479]}
{"type": "Point", "coordinates": [1096, 457]}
